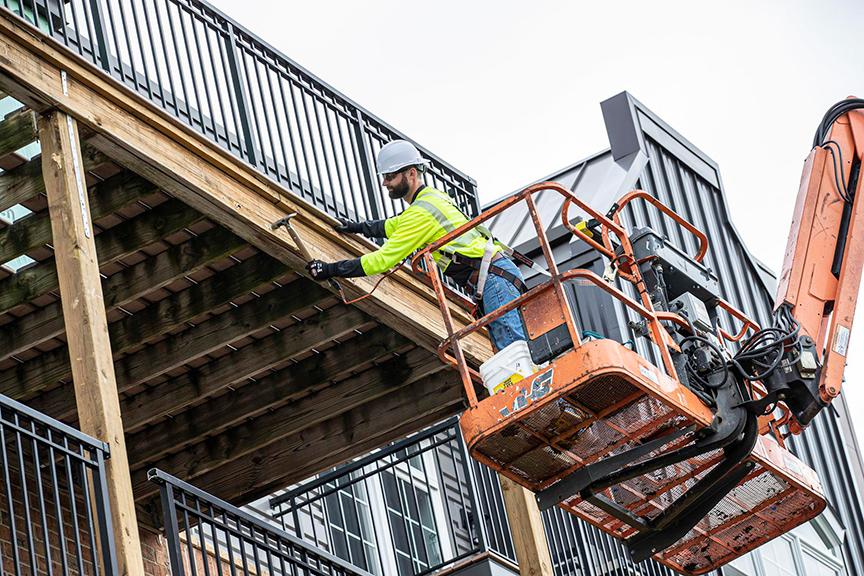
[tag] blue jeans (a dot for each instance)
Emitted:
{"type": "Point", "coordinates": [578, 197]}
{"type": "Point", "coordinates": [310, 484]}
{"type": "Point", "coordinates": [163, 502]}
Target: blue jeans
{"type": "Point", "coordinates": [497, 293]}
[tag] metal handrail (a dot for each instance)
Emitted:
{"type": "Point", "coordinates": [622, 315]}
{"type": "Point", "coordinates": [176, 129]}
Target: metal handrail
{"type": "Point", "coordinates": [415, 464]}
{"type": "Point", "coordinates": [54, 482]}
{"type": "Point", "coordinates": [229, 525]}
{"type": "Point", "coordinates": [203, 68]}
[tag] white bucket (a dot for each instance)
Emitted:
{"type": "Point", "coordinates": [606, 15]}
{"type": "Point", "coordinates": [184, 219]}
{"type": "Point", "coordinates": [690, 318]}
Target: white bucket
{"type": "Point", "coordinates": [507, 367]}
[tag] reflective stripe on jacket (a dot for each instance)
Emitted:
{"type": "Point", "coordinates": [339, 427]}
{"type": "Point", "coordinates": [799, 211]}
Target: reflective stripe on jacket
{"type": "Point", "coordinates": [430, 216]}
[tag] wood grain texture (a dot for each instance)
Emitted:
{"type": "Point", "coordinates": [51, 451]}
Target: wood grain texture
{"type": "Point", "coordinates": [86, 324]}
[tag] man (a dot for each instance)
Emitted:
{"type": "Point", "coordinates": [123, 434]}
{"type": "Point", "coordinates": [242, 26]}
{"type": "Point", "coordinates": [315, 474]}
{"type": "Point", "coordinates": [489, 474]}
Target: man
{"type": "Point", "coordinates": [430, 215]}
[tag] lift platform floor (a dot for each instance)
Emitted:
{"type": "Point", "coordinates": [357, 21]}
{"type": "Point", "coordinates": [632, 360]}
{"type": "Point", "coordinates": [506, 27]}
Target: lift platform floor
{"type": "Point", "coordinates": [601, 399]}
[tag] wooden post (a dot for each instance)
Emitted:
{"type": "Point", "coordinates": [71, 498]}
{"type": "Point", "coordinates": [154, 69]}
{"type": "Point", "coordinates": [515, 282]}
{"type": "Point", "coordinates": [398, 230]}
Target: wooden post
{"type": "Point", "coordinates": [526, 526]}
{"type": "Point", "coordinates": [86, 325]}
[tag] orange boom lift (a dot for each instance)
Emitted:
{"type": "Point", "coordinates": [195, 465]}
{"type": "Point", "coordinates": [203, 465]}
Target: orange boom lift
{"type": "Point", "coordinates": [682, 458]}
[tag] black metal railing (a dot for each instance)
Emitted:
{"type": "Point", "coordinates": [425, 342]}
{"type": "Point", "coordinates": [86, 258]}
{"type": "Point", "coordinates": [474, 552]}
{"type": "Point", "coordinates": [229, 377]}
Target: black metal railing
{"type": "Point", "coordinates": [414, 507]}
{"type": "Point", "coordinates": [54, 510]}
{"type": "Point", "coordinates": [207, 536]}
{"type": "Point", "coordinates": [194, 62]}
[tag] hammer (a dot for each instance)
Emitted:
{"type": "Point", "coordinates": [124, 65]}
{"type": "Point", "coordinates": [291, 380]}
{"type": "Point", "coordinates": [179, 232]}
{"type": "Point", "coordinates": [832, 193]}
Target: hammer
{"type": "Point", "coordinates": [304, 252]}
{"type": "Point", "coordinates": [286, 222]}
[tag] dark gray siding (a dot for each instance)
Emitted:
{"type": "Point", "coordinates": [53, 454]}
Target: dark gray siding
{"type": "Point", "coordinates": [686, 180]}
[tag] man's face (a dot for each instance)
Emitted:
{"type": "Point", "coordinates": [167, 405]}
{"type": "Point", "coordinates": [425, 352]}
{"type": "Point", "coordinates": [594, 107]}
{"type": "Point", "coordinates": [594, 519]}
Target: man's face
{"type": "Point", "coordinates": [396, 183]}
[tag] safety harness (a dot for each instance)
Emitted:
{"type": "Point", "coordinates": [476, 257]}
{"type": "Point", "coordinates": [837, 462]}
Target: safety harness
{"type": "Point", "coordinates": [484, 266]}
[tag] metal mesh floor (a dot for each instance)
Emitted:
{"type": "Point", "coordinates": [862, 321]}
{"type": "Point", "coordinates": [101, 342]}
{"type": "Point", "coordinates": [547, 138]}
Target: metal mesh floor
{"type": "Point", "coordinates": [594, 416]}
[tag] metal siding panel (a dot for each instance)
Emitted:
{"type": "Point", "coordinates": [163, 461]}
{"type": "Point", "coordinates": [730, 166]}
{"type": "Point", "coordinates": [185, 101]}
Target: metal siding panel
{"type": "Point", "coordinates": [673, 180]}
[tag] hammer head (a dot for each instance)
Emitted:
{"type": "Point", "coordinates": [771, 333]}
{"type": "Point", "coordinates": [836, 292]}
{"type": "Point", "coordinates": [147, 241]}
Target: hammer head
{"type": "Point", "coordinates": [285, 221]}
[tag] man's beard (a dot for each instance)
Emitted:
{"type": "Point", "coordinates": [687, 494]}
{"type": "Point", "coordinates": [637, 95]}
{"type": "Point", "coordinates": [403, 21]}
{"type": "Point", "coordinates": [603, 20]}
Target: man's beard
{"type": "Point", "coordinates": [399, 191]}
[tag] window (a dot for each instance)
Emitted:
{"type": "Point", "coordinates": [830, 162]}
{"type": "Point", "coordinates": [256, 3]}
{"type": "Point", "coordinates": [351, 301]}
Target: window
{"type": "Point", "coordinates": [349, 520]}
{"type": "Point", "coordinates": [411, 517]}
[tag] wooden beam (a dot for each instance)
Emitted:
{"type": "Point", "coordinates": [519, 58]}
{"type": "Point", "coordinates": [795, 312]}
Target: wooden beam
{"type": "Point", "coordinates": [307, 377]}
{"type": "Point", "coordinates": [138, 135]}
{"type": "Point", "coordinates": [173, 396]}
{"type": "Point", "coordinates": [17, 130]}
{"type": "Point", "coordinates": [290, 419]}
{"type": "Point", "coordinates": [106, 197]}
{"type": "Point", "coordinates": [44, 371]}
{"type": "Point", "coordinates": [214, 333]}
{"type": "Point", "coordinates": [330, 442]}
{"type": "Point", "coordinates": [124, 286]}
{"type": "Point", "coordinates": [526, 527]}
{"type": "Point", "coordinates": [25, 182]}
{"type": "Point", "coordinates": [111, 245]}
{"type": "Point", "coordinates": [86, 324]}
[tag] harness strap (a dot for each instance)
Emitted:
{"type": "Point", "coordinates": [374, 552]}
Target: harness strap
{"type": "Point", "coordinates": [484, 268]}
{"type": "Point", "coordinates": [493, 269]}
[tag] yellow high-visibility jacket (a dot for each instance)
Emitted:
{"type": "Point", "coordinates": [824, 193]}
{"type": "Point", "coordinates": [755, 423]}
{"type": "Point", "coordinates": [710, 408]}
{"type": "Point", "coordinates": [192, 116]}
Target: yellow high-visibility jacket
{"type": "Point", "coordinates": [431, 215]}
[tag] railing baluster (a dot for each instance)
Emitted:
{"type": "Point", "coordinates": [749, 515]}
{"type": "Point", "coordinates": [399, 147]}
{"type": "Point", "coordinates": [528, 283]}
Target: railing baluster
{"type": "Point", "coordinates": [101, 33]}
{"type": "Point", "coordinates": [240, 93]}
{"type": "Point", "coordinates": [333, 166]}
{"type": "Point", "coordinates": [369, 176]}
{"type": "Point", "coordinates": [172, 537]}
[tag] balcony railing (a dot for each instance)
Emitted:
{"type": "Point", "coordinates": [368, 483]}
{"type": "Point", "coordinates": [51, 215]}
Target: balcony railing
{"type": "Point", "coordinates": [207, 536]}
{"type": "Point", "coordinates": [201, 67]}
{"type": "Point", "coordinates": [415, 507]}
{"type": "Point", "coordinates": [53, 497]}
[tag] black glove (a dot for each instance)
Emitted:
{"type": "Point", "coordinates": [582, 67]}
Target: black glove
{"type": "Point", "coordinates": [347, 226]}
{"type": "Point", "coordinates": [339, 269]}
{"type": "Point", "coordinates": [368, 228]}
{"type": "Point", "coordinates": [320, 270]}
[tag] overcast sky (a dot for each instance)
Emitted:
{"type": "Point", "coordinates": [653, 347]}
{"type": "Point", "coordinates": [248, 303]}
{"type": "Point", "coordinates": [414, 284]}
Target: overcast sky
{"type": "Point", "coordinates": [510, 91]}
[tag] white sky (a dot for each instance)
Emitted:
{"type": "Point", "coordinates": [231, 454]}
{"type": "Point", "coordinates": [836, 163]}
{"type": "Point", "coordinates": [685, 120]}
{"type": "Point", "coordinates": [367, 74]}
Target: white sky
{"type": "Point", "coordinates": [510, 91]}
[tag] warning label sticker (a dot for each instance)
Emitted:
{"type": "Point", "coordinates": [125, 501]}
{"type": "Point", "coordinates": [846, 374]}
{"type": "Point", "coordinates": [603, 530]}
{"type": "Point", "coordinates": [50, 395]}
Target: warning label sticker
{"type": "Point", "coordinates": [841, 340]}
{"type": "Point", "coordinates": [648, 373]}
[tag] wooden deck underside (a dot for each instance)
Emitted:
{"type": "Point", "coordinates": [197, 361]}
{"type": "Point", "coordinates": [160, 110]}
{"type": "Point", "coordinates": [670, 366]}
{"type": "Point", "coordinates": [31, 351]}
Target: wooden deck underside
{"type": "Point", "coordinates": [236, 372]}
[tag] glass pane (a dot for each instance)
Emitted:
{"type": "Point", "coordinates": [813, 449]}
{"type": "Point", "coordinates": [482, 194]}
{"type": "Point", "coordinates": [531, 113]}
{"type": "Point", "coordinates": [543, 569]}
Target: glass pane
{"type": "Point", "coordinates": [400, 538]}
{"type": "Point", "coordinates": [419, 543]}
{"type": "Point", "coordinates": [426, 513]}
{"type": "Point", "coordinates": [391, 493]}
{"type": "Point", "coordinates": [358, 557]}
{"type": "Point", "coordinates": [350, 512]}
{"type": "Point", "coordinates": [432, 546]}
{"type": "Point", "coordinates": [340, 548]}
{"type": "Point", "coordinates": [366, 530]}
{"type": "Point", "coordinates": [404, 564]}
{"type": "Point", "coordinates": [333, 511]}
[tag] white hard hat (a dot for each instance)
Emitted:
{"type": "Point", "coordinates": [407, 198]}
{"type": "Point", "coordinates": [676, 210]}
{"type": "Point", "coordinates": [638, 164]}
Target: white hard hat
{"type": "Point", "coordinates": [397, 155]}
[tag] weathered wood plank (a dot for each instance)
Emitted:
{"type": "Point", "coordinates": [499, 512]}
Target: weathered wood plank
{"type": "Point", "coordinates": [312, 448]}
{"type": "Point", "coordinates": [44, 371]}
{"type": "Point", "coordinates": [526, 526]}
{"type": "Point", "coordinates": [112, 245]}
{"type": "Point", "coordinates": [105, 198]}
{"type": "Point", "coordinates": [25, 182]}
{"type": "Point", "coordinates": [332, 324]}
{"type": "Point", "coordinates": [161, 149]}
{"type": "Point", "coordinates": [17, 130]}
{"type": "Point", "coordinates": [21, 184]}
{"type": "Point", "coordinates": [168, 313]}
{"type": "Point", "coordinates": [214, 333]}
{"type": "Point", "coordinates": [293, 418]}
{"type": "Point", "coordinates": [124, 286]}
{"type": "Point", "coordinates": [307, 377]}
{"type": "Point", "coordinates": [86, 324]}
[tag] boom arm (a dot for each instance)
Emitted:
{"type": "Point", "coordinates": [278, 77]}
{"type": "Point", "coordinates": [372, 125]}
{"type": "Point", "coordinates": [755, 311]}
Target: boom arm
{"type": "Point", "coordinates": [822, 269]}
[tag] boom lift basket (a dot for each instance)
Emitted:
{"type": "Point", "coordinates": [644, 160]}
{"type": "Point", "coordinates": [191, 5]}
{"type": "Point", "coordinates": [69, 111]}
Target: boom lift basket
{"type": "Point", "coordinates": [597, 430]}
